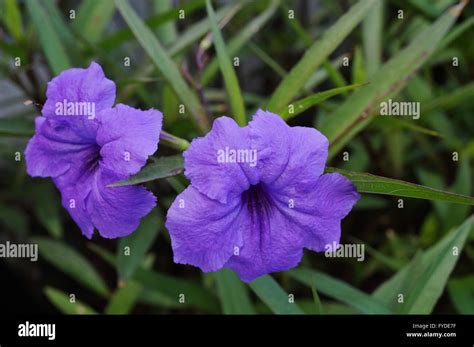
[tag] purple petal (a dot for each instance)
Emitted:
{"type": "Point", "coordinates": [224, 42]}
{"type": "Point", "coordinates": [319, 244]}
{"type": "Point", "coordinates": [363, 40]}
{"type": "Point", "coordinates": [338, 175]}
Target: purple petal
{"type": "Point", "coordinates": [80, 85]}
{"type": "Point", "coordinates": [271, 241]}
{"type": "Point", "coordinates": [116, 212]}
{"type": "Point", "coordinates": [320, 209]}
{"type": "Point", "coordinates": [73, 200]}
{"type": "Point", "coordinates": [221, 181]}
{"type": "Point", "coordinates": [308, 154]}
{"type": "Point", "coordinates": [57, 149]}
{"type": "Point", "coordinates": [203, 232]}
{"type": "Point", "coordinates": [127, 136]}
{"type": "Point", "coordinates": [270, 135]}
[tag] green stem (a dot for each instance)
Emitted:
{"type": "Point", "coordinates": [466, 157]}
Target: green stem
{"type": "Point", "coordinates": [173, 141]}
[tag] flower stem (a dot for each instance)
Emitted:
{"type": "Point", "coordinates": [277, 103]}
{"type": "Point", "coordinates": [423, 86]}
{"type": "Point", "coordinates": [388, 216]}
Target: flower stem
{"type": "Point", "coordinates": [173, 141]}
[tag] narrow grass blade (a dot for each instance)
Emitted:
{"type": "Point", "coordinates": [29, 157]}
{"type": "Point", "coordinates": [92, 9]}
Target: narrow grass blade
{"type": "Point", "coordinates": [167, 32]}
{"type": "Point", "coordinates": [50, 42]}
{"type": "Point", "coordinates": [240, 40]}
{"type": "Point", "coordinates": [233, 293]}
{"type": "Point", "coordinates": [372, 30]}
{"type": "Point", "coordinates": [317, 54]}
{"type": "Point", "coordinates": [133, 248]}
{"type": "Point", "coordinates": [71, 263]}
{"type": "Point", "coordinates": [339, 290]}
{"type": "Point", "coordinates": [461, 292]}
{"type": "Point", "coordinates": [317, 302]}
{"type": "Point", "coordinates": [450, 100]}
{"type": "Point", "coordinates": [230, 77]}
{"type": "Point", "coordinates": [63, 303]}
{"type": "Point", "coordinates": [92, 18]}
{"type": "Point", "coordinates": [124, 299]}
{"type": "Point", "coordinates": [182, 293]}
{"type": "Point", "coordinates": [389, 123]}
{"type": "Point", "coordinates": [358, 110]}
{"type": "Point", "coordinates": [201, 28]}
{"type": "Point", "coordinates": [270, 292]}
{"type": "Point", "coordinates": [16, 127]}
{"type": "Point", "coordinates": [302, 105]}
{"type": "Point", "coordinates": [159, 168]}
{"type": "Point", "coordinates": [123, 35]}
{"type": "Point", "coordinates": [164, 63]}
{"type": "Point", "coordinates": [367, 183]}
{"type": "Point", "coordinates": [12, 19]}
{"type": "Point", "coordinates": [417, 287]}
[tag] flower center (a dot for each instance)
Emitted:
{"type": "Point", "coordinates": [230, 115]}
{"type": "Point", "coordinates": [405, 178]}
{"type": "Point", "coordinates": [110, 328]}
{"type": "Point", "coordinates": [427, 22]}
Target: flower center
{"type": "Point", "coordinates": [258, 200]}
{"type": "Point", "coordinates": [92, 160]}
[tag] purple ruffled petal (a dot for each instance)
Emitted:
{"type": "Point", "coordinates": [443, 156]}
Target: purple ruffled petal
{"type": "Point", "coordinates": [116, 212]}
{"type": "Point", "coordinates": [80, 85]}
{"type": "Point", "coordinates": [271, 241]}
{"type": "Point", "coordinates": [270, 135]}
{"type": "Point", "coordinates": [308, 150]}
{"type": "Point", "coordinates": [57, 149]}
{"type": "Point", "coordinates": [219, 180]}
{"type": "Point", "coordinates": [333, 198]}
{"type": "Point", "coordinates": [127, 137]}
{"type": "Point", "coordinates": [204, 232]}
{"type": "Point", "coordinates": [73, 199]}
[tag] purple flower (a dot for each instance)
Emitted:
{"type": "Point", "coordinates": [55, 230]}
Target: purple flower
{"type": "Point", "coordinates": [84, 144]}
{"type": "Point", "coordinates": [257, 197]}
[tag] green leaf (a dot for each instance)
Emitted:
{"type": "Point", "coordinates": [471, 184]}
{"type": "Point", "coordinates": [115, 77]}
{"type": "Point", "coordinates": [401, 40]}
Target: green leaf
{"type": "Point", "coordinates": [159, 168]}
{"type": "Point", "coordinates": [166, 33]}
{"type": "Point", "coordinates": [133, 248]}
{"type": "Point", "coordinates": [461, 292]}
{"type": "Point", "coordinates": [358, 110]}
{"type": "Point", "coordinates": [172, 288]}
{"type": "Point", "coordinates": [233, 293]}
{"type": "Point", "coordinates": [389, 122]}
{"type": "Point", "coordinates": [12, 19]}
{"type": "Point", "coordinates": [50, 42]}
{"type": "Point", "coordinates": [47, 208]}
{"type": "Point", "coordinates": [240, 40]}
{"type": "Point", "coordinates": [340, 291]}
{"type": "Point", "coordinates": [230, 77]}
{"type": "Point", "coordinates": [372, 30]}
{"type": "Point", "coordinates": [16, 127]}
{"type": "Point", "coordinates": [358, 69]}
{"type": "Point", "coordinates": [13, 219]}
{"type": "Point", "coordinates": [72, 263]}
{"type": "Point", "coordinates": [164, 63]}
{"type": "Point", "coordinates": [92, 18]}
{"type": "Point", "coordinates": [317, 54]}
{"type": "Point", "coordinates": [317, 302]}
{"type": "Point", "coordinates": [123, 35]}
{"type": "Point", "coordinates": [124, 298]}
{"type": "Point", "coordinates": [455, 33]}
{"type": "Point", "coordinates": [450, 100]}
{"type": "Point", "coordinates": [270, 292]}
{"type": "Point", "coordinates": [422, 281]}
{"type": "Point", "coordinates": [63, 303]}
{"type": "Point", "coordinates": [302, 105]}
{"type": "Point", "coordinates": [267, 59]}
{"type": "Point", "coordinates": [201, 28]}
{"type": "Point", "coordinates": [368, 183]}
